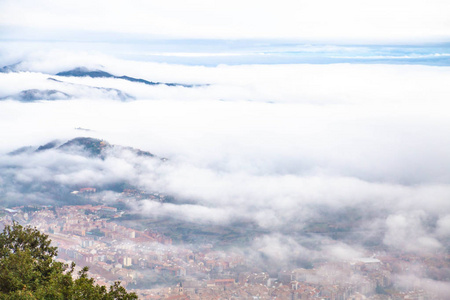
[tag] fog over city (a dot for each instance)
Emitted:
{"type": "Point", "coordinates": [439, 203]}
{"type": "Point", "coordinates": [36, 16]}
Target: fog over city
{"type": "Point", "coordinates": [334, 149]}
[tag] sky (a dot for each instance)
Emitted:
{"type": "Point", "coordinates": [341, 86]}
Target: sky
{"type": "Point", "coordinates": [322, 21]}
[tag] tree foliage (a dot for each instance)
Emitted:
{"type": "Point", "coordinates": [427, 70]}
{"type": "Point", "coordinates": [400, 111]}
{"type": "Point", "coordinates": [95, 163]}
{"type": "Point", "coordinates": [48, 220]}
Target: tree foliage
{"type": "Point", "coordinates": [28, 270]}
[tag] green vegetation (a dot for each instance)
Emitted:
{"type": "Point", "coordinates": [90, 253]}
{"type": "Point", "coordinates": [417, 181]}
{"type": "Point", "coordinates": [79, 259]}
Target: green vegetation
{"type": "Point", "coordinates": [28, 270]}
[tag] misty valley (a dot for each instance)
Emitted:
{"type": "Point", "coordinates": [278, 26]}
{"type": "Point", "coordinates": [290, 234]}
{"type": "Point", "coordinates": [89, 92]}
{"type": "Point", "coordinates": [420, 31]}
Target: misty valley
{"type": "Point", "coordinates": [160, 243]}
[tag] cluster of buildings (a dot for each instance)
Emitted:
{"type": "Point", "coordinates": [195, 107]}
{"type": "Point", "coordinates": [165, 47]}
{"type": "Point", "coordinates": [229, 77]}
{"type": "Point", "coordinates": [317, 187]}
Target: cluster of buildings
{"type": "Point", "coordinates": [148, 263]}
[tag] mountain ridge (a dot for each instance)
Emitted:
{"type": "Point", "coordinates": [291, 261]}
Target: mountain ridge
{"type": "Point", "coordinates": [85, 72]}
{"type": "Point", "coordinates": [37, 94]}
{"type": "Point", "coordinates": [93, 147]}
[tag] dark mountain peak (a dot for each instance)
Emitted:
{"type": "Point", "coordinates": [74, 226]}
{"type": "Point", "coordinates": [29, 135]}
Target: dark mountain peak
{"type": "Point", "coordinates": [10, 68]}
{"type": "Point", "coordinates": [84, 141]}
{"type": "Point", "coordinates": [132, 79]}
{"type": "Point", "coordinates": [91, 145]}
{"type": "Point", "coordinates": [26, 149]}
{"type": "Point", "coordinates": [50, 145]}
{"type": "Point", "coordinates": [85, 72]}
{"type": "Point", "coordinates": [110, 92]}
{"type": "Point", "coordinates": [36, 94]}
{"type": "Point", "coordinates": [97, 147]}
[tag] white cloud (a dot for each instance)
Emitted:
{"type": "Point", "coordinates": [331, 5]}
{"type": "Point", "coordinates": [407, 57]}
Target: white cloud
{"type": "Point", "coordinates": [407, 232]}
{"type": "Point", "coordinates": [415, 280]}
{"type": "Point", "coordinates": [443, 226]}
{"type": "Point", "coordinates": [366, 121]}
{"type": "Point", "coordinates": [270, 144]}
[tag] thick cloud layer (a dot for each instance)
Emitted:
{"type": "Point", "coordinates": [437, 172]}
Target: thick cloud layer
{"type": "Point", "coordinates": [283, 148]}
{"type": "Point", "coordinates": [373, 122]}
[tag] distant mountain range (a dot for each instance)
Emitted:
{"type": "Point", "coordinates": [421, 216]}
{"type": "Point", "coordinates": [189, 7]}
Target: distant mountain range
{"type": "Point", "coordinates": [36, 94]}
{"type": "Point", "coordinates": [85, 72]}
{"type": "Point", "coordinates": [114, 93]}
{"type": "Point", "coordinates": [89, 146]}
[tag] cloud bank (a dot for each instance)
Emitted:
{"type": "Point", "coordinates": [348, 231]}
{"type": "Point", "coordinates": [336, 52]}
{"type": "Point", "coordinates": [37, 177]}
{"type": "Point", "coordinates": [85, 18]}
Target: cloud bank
{"type": "Point", "coordinates": [287, 149]}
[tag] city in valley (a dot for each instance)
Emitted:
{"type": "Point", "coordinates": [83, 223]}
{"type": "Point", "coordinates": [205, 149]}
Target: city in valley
{"type": "Point", "coordinates": [163, 265]}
